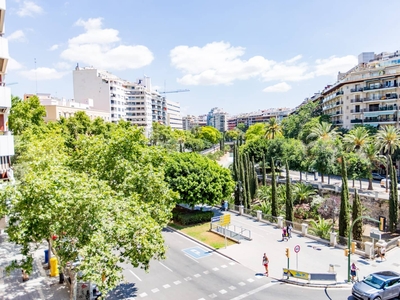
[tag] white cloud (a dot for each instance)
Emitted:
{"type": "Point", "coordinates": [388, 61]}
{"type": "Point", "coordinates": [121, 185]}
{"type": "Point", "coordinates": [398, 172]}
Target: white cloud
{"type": "Point", "coordinates": [29, 8]}
{"type": "Point", "coordinates": [97, 47]}
{"type": "Point", "coordinates": [220, 63]}
{"type": "Point", "coordinates": [13, 65]}
{"type": "Point", "coordinates": [332, 65]}
{"type": "Point", "coordinates": [17, 35]}
{"type": "Point", "coordinates": [42, 74]}
{"type": "Point", "coordinates": [54, 47]}
{"type": "Point", "coordinates": [63, 65]}
{"type": "Point", "coordinates": [278, 88]}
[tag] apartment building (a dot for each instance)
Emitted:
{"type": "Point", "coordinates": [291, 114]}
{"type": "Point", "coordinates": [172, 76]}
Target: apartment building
{"type": "Point", "coordinates": [218, 119]}
{"type": "Point", "coordinates": [135, 102]}
{"type": "Point", "coordinates": [366, 94]}
{"type": "Point", "coordinates": [57, 108]}
{"type": "Point", "coordinates": [261, 116]}
{"type": "Point", "coordinates": [6, 137]}
{"type": "Point", "coordinates": [190, 121]}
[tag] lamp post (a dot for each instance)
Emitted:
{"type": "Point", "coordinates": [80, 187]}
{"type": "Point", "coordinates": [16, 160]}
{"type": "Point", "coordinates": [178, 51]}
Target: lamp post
{"type": "Point", "coordinates": [350, 238]}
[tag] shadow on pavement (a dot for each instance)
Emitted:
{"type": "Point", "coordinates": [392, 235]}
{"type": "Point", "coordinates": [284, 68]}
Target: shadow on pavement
{"type": "Point", "coordinates": [123, 291]}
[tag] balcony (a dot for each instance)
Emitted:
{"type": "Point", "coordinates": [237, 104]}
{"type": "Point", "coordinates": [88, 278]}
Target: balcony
{"type": "Point", "coordinates": [378, 87]}
{"type": "Point", "coordinates": [357, 100]}
{"type": "Point", "coordinates": [337, 122]}
{"type": "Point", "coordinates": [6, 143]}
{"type": "Point", "coordinates": [359, 89]}
{"type": "Point", "coordinates": [356, 121]}
{"type": "Point", "coordinates": [339, 93]}
{"type": "Point", "coordinates": [5, 97]}
{"type": "Point", "coordinates": [381, 108]}
{"type": "Point", "coordinates": [355, 111]}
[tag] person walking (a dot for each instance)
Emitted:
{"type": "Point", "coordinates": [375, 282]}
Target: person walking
{"type": "Point", "coordinates": [382, 253]}
{"type": "Point", "coordinates": [265, 263]}
{"type": "Point", "coordinates": [353, 272]}
{"type": "Point", "coordinates": [289, 230]}
{"type": "Point", "coordinates": [284, 234]}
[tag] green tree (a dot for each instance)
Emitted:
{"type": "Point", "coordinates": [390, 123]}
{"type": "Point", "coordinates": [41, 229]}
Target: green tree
{"type": "Point", "coordinates": [210, 134]}
{"type": "Point", "coordinates": [372, 153]}
{"type": "Point", "coordinates": [289, 196]}
{"type": "Point", "coordinates": [323, 155]}
{"type": "Point", "coordinates": [274, 197]}
{"type": "Point", "coordinates": [233, 134]}
{"type": "Point", "coordinates": [160, 133]}
{"type": "Point", "coordinates": [273, 129]}
{"type": "Point", "coordinates": [242, 127]}
{"type": "Point", "coordinates": [393, 199]}
{"type": "Point", "coordinates": [255, 131]}
{"type": "Point", "coordinates": [344, 217]}
{"type": "Point", "coordinates": [302, 192]}
{"type": "Point", "coordinates": [197, 179]}
{"type": "Point", "coordinates": [321, 227]}
{"type": "Point", "coordinates": [25, 114]}
{"type": "Point", "coordinates": [357, 139]}
{"type": "Point", "coordinates": [356, 213]}
{"type": "Point", "coordinates": [323, 131]}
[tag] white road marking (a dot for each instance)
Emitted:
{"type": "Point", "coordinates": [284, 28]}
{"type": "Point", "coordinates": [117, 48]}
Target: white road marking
{"type": "Point", "coordinates": [201, 299]}
{"type": "Point", "coordinates": [224, 266]}
{"type": "Point", "coordinates": [188, 278]}
{"type": "Point", "coordinates": [232, 263]}
{"type": "Point", "coordinates": [241, 283]}
{"type": "Point", "coordinates": [191, 258]}
{"type": "Point", "coordinates": [165, 286]}
{"type": "Point", "coordinates": [206, 272]}
{"type": "Point", "coordinates": [177, 282]}
{"type": "Point", "coordinates": [215, 269]}
{"type": "Point", "coordinates": [212, 296]}
{"type": "Point", "coordinates": [155, 290]}
{"type": "Point", "coordinates": [143, 295]}
{"type": "Point", "coordinates": [196, 275]}
{"type": "Point", "coordinates": [250, 280]}
{"type": "Point", "coordinates": [135, 275]}
{"type": "Point", "coordinates": [223, 292]}
{"type": "Point", "coordinates": [254, 291]}
{"type": "Point", "coordinates": [232, 288]}
{"type": "Point", "coordinates": [165, 266]}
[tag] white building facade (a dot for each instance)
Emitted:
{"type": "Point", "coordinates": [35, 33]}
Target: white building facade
{"type": "Point", "coordinates": [218, 119]}
{"type": "Point", "coordinates": [6, 137]}
{"type": "Point", "coordinates": [134, 102]}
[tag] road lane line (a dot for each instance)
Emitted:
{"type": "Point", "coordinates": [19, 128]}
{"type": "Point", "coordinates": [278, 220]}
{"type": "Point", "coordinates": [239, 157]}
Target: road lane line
{"type": "Point", "coordinates": [135, 275]}
{"type": "Point", "coordinates": [191, 258]}
{"type": "Point", "coordinates": [165, 266]}
{"type": "Point", "coordinates": [245, 295]}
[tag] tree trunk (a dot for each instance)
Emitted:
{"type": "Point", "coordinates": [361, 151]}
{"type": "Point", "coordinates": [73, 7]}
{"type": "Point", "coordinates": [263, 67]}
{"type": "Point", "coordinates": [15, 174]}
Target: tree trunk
{"type": "Point", "coordinates": [329, 179]}
{"type": "Point", "coordinates": [360, 184]}
{"type": "Point", "coordinates": [301, 176]}
{"type": "Point", "coordinates": [353, 183]}
{"type": "Point", "coordinates": [370, 187]}
{"type": "Point", "coordinates": [322, 177]}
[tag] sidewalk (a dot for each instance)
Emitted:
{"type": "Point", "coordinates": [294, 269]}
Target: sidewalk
{"type": "Point", "coordinates": [313, 257]}
{"type": "Point", "coordinates": [39, 285]}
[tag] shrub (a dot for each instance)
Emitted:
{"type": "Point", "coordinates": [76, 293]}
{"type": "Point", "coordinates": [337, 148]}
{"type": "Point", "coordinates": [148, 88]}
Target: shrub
{"type": "Point", "coordinates": [188, 217]}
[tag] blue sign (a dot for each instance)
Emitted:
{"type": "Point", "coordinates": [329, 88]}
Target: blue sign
{"type": "Point", "coordinates": [215, 219]}
{"type": "Point", "coordinates": [196, 252]}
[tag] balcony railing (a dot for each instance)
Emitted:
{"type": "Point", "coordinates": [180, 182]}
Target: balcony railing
{"type": "Point", "coordinates": [355, 111]}
{"type": "Point", "coordinates": [380, 86]}
{"type": "Point", "coordinates": [356, 121]}
{"type": "Point", "coordinates": [337, 122]}
{"type": "Point", "coordinates": [374, 120]}
{"type": "Point", "coordinates": [381, 108]}
{"type": "Point", "coordinates": [359, 89]}
{"type": "Point", "coordinates": [360, 100]}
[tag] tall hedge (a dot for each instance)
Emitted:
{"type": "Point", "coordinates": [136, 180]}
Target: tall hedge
{"type": "Point", "coordinates": [357, 211]}
{"type": "Point", "coordinates": [274, 200]}
{"type": "Point", "coordinates": [344, 218]}
{"type": "Point", "coordinates": [393, 199]}
{"type": "Point", "coordinates": [289, 196]}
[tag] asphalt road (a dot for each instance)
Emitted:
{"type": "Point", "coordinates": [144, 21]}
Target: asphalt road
{"type": "Point", "coordinates": [192, 271]}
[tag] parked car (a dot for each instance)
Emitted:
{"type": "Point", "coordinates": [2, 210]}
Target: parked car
{"type": "Point", "coordinates": [378, 286]}
{"type": "Point", "coordinates": [377, 176]}
{"type": "Point", "coordinates": [383, 183]}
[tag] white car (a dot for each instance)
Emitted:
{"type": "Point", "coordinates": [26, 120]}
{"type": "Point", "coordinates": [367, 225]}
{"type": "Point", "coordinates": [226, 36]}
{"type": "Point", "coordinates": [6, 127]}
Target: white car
{"type": "Point", "coordinates": [383, 183]}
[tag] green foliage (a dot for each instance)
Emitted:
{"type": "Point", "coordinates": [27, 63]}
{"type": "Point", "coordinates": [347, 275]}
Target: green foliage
{"type": "Point", "coordinates": [255, 131]}
{"type": "Point", "coordinates": [274, 196]}
{"type": "Point", "coordinates": [303, 192]}
{"type": "Point", "coordinates": [273, 129]}
{"type": "Point", "coordinates": [323, 156]}
{"type": "Point", "coordinates": [194, 217]}
{"type": "Point", "coordinates": [393, 199]}
{"type": "Point", "coordinates": [356, 213]}
{"type": "Point", "coordinates": [344, 218]}
{"type": "Point", "coordinates": [197, 179]}
{"type": "Point", "coordinates": [289, 196]}
{"type": "Point", "coordinates": [25, 114]}
{"type": "Point", "coordinates": [321, 227]}
{"type": "Point", "coordinates": [210, 134]}
{"type": "Point", "coordinates": [242, 127]}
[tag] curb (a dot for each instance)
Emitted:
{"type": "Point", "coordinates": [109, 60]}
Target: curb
{"type": "Point", "coordinates": [201, 243]}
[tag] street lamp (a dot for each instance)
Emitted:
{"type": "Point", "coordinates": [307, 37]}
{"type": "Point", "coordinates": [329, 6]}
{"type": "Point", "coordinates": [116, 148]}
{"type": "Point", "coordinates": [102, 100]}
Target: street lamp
{"type": "Point", "coordinates": [239, 189]}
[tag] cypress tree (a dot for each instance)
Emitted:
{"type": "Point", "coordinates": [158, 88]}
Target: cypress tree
{"type": "Point", "coordinates": [274, 202]}
{"type": "Point", "coordinates": [357, 210]}
{"type": "Point", "coordinates": [264, 178]}
{"type": "Point", "coordinates": [244, 194]}
{"type": "Point", "coordinates": [344, 203]}
{"type": "Point", "coordinates": [247, 174]}
{"type": "Point", "coordinates": [255, 178]}
{"type": "Point", "coordinates": [289, 200]}
{"type": "Point", "coordinates": [393, 198]}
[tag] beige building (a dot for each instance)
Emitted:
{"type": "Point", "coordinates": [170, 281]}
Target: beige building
{"type": "Point", "coordinates": [366, 94]}
{"type": "Point", "coordinates": [57, 108]}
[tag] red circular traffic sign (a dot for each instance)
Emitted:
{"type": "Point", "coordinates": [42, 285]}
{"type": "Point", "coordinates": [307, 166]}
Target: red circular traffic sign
{"type": "Point", "coordinates": [297, 248]}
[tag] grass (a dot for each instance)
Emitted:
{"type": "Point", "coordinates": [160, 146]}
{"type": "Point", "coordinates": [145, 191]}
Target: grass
{"type": "Point", "coordinates": [202, 233]}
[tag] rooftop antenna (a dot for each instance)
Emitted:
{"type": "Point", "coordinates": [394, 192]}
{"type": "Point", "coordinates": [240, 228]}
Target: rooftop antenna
{"type": "Point", "coordinates": [36, 76]}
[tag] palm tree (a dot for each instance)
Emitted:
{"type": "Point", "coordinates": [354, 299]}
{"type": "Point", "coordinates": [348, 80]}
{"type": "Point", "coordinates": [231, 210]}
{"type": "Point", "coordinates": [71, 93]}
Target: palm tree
{"type": "Point", "coordinates": [388, 138]}
{"type": "Point", "coordinates": [321, 227]}
{"type": "Point", "coordinates": [356, 139]}
{"type": "Point", "coordinates": [323, 131]}
{"type": "Point", "coordinates": [372, 153]}
{"type": "Point", "coordinates": [273, 129]}
{"type": "Point", "coordinates": [303, 192]}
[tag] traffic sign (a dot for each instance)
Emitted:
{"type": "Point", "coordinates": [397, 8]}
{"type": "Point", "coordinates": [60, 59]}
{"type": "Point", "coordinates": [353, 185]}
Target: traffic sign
{"type": "Point", "coordinates": [297, 248]}
{"type": "Point", "coordinates": [225, 220]}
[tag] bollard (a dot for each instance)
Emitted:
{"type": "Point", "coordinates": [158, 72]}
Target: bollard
{"type": "Point", "coordinates": [304, 228]}
{"type": "Point", "coordinates": [259, 215]}
{"type": "Point", "coordinates": [333, 239]}
{"type": "Point", "coordinates": [53, 267]}
{"type": "Point", "coordinates": [369, 250]}
{"type": "Point", "coordinates": [280, 222]}
{"type": "Point", "coordinates": [46, 256]}
{"type": "Point", "coordinates": [331, 268]}
{"type": "Point", "coordinates": [241, 209]}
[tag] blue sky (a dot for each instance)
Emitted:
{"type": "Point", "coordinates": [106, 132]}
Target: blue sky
{"type": "Point", "coordinates": [241, 56]}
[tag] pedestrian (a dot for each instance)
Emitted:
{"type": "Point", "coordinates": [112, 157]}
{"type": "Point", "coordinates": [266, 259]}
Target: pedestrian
{"type": "Point", "coordinates": [289, 230]}
{"type": "Point", "coordinates": [265, 263]}
{"type": "Point", "coordinates": [353, 272]}
{"type": "Point", "coordinates": [284, 234]}
{"type": "Point", "coordinates": [222, 205]}
{"type": "Point", "coordinates": [382, 253]}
